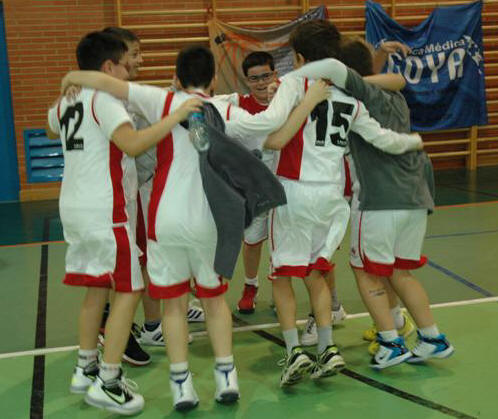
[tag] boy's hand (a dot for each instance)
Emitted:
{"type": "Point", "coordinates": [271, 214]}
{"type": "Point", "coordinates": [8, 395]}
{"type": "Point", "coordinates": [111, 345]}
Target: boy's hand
{"type": "Point", "coordinates": [72, 92]}
{"type": "Point", "coordinates": [67, 82]}
{"type": "Point", "coordinates": [318, 92]}
{"type": "Point", "coordinates": [390, 47]}
{"type": "Point", "coordinates": [187, 107]}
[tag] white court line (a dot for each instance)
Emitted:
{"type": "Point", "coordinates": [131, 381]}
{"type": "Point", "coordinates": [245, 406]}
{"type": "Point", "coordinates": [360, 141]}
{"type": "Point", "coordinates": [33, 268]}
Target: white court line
{"type": "Point", "coordinates": [248, 328]}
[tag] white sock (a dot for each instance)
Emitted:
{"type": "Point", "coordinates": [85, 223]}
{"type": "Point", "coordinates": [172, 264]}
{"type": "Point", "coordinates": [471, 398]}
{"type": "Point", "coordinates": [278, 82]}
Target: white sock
{"type": "Point", "coordinates": [399, 320]}
{"type": "Point", "coordinates": [86, 357]}
{"type": "Point", "coordinates": [109, 371]}
{"type": "Point", "coordinates": [291, 339]}
{"type": "Point", "coordinates": [178, 370]}
{"type": "Point", "coordinates": [430, 332]}
{"type": "Point", "coordinates": [224, 363]}
{"type": "Point", "coordinates": [324, 338]}
{"type": "Point", "coordinates": [252, 281]}
{"type": "Point", "coordinates": [388, 335]}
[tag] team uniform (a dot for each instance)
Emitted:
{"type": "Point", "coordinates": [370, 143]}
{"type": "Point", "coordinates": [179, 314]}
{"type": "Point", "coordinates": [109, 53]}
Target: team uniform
{"type": "Point", "coordinates": [181, 231]}
{"type": "Point", "coordinates": [257, 232]}
{"type": "Point", "coordinates": [305, 233]}
{"type": "Point", "coordinates": [392, 194]}
{"type": "Point", "coordinates": [97, 200]}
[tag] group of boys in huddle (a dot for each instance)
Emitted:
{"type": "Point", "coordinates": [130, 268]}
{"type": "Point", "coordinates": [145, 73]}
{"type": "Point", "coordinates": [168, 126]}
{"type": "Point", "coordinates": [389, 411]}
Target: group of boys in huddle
{"type": "Point", "coordinates": [330, 113]}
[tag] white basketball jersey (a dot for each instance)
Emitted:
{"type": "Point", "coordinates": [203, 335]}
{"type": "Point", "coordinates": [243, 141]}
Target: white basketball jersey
{"type": "Point", "coordinates": [98, 178]}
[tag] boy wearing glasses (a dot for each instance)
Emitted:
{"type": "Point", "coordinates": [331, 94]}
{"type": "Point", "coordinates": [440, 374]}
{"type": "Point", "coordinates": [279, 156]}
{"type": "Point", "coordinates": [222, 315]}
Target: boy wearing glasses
{"type": "Point", "coordinates": [259, 71]}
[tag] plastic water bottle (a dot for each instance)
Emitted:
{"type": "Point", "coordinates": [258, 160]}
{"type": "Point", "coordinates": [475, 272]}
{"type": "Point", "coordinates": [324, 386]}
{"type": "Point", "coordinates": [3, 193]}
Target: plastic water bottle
{"type": "Point", "coordinates": [197, 131]}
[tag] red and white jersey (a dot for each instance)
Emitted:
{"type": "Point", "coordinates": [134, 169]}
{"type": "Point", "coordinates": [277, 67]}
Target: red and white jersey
{"type": "Point", "coordinates": [178, 213]}
{"type": "Point", "coordinates": [252, 106]}
{"type": "Point", "coordinates": [316, 151]}
{"type": "Point", "coordinates": [99, 179]}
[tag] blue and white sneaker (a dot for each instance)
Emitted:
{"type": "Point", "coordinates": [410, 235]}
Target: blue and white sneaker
{"type": "Point", "coordinates": [227, 385]}
{"type": "Point", "coordinates": [427, 347]}
{"type": "Point", "coordinates": [390, 353]}
{"type": "Point", "coordinates": [182, 389]}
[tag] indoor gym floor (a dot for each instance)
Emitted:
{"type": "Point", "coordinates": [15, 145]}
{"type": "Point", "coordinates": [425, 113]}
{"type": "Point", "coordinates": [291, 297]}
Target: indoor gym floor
{"type": "Point", "coordinates": [39, 334]}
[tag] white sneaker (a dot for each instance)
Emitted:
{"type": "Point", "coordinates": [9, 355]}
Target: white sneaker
{"type": "Point", "coordinates": [390, 353]}
{"type": "Point", "coordinates": [83, 378]}
{"type": "Point", "coordinates": [427, 347]}
{"type": "Point", "coordinates": [195, 313]}
{"type": "Point", "coordinates": [309, 337]}
{"type": "Point", "coordinates": [154, 337]}
{"type": "Point", "coordinates": [151, 337]}
{"type": "Point", "coordinates": [339, 315]}
{"type": "Point", "coordinates": [184, 395]}
{"type": "Point", "coordinates": [117, 395]}
{"type": "Point", "coordinates": [227, 386]}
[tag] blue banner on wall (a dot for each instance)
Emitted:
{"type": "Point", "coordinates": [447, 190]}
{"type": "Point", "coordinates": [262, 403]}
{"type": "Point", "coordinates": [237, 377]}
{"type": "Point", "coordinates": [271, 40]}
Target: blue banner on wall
{"type": "Point", "coordinates": [445, 70]}
{"type": "Point", "coordinates": [9, 186]}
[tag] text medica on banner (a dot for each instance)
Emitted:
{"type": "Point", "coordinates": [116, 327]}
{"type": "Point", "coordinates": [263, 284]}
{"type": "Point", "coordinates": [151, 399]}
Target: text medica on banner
{"type": "Point", "coordinates": [445, 70]}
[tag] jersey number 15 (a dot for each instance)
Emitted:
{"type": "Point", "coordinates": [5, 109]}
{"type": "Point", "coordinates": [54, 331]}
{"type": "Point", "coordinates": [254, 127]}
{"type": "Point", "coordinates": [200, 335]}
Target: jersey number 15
{"type": "Point", "coordinates": [340, 120]}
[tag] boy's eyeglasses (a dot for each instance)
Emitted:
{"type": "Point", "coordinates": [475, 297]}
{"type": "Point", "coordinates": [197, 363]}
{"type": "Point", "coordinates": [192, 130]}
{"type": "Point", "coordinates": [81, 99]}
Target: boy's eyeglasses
{"type": "Point", "coordinates": [262, 77]}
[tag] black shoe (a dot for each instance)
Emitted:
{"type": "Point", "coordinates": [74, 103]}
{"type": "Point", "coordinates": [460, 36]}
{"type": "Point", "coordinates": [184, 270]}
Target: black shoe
{"type": "Point", "coordinates": [134, 354]}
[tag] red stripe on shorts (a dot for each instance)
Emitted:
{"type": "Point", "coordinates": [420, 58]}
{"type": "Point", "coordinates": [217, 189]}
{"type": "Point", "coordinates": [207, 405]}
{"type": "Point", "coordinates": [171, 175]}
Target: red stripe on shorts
{"type": "Point", "coordinates": [118, 196]}
{"type": "Point", "coordinates": [408, 264]}
{"type": "Point", "coordinates": [203, 292]}
{"type": "Point", "coordinates": [172, 291]}
{"type": "Point", "coordinates": [122, 271]}
{"type": "Point", "coordinates": [164, 160]}
{"type": "Point", "coordinates": [82, 280]}
{"type": "Point", "coordinates": [141, 233]}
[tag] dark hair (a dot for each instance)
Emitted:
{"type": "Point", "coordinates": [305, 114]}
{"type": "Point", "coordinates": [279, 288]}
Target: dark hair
{"type": "Point", "coordinates": [195, 67]}
{"type": "Point", "coordinates": [315, 40]}
{"type": "Point", "coordinates": [121, 33]}
{"type": "Point", "coordinates": [356, 54]}
{"type": "Point", "coordinates": [95, 48]}
{"type": "Point", "coordinates": [257, 58]}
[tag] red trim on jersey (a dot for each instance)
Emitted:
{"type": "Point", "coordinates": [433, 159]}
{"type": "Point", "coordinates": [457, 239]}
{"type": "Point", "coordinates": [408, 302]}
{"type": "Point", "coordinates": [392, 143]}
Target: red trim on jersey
{"type": "Point", "coordinates": [141, 233]}
{"type": "Point", "coordinates": [171, 291]}
{"type": "Point", "coordinates": [408, 264]}
{"type": "Point", "coordinates": [322, 265]}
{"type": "Point", "coordinates": [122, 275]}
{"type": "Point", "coordinates": [203, 292]}
{"type": "Point", "coordinates": [118, 196]}
{"type": "Point", "coordinates": [250, 104]}
{"type": "Point", "coordinates": [93, 108]}
{"type": "Point", "coordinates": [228, 111]}
{"type": "Point", "coordinates": [348, 187]}
{"type": "Point", "coordinates": [59, 110]}
{"type": "Point", "coordinates": [82, 280]}
{"type": "Point", "coordinates": [289, 163]}
{"type": "Point", "coordinates": [164, 153]}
